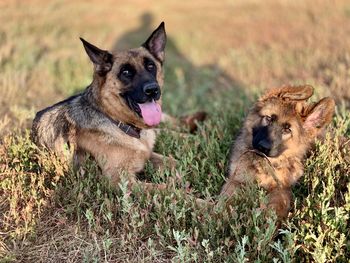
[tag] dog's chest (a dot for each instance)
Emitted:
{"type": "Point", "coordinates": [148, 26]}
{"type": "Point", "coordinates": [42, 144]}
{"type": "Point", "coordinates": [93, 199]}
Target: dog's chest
{"type": "Point", "coordinates": [148, 139]}
{"type": "Point", "coordinates": [142, 147]}
{"type": "Point", "coordinates": [140, 151]}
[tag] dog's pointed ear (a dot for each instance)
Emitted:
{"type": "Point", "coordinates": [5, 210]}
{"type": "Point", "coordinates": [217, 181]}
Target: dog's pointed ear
{"type": "Point", "coordinates": [102, 59]}
{"type": "Point", "coordinates": [319, 115]}
{"type": "Point", "coordinates": [155, 44]}
{"type": "Point", "coordinates": [296, 93]}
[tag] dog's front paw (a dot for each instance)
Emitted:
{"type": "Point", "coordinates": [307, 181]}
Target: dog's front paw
{"type": "Point", "coordinates": [161, 162]}
{"type": "Point", "coordinates": [191, 121]}
{"type": "Point", "coordinates": [171, 162]}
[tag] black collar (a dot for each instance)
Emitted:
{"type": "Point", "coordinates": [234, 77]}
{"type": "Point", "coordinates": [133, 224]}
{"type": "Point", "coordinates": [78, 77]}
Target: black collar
{"type": "Point", "coordinates": [129, 129]}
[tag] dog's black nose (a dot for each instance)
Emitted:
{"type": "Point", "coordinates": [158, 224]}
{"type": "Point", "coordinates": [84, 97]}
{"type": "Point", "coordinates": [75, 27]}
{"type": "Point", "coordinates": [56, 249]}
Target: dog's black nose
{"type": "Point", "coordinates": [152, 90]}
{"type": "Point", "coordinates": [264, 146]}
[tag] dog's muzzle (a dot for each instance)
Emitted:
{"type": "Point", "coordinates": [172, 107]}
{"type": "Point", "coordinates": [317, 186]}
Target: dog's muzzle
{"type": "Point", "coordinates": [151, 90]}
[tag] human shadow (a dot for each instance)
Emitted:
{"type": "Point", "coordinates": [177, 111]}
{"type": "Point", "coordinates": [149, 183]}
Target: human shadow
{"type": "Point", "coordinates": [187, 85]}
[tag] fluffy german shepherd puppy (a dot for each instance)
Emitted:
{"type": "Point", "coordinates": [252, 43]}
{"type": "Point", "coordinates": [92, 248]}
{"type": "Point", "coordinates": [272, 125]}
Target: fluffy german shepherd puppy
{"type": "Point", "coordinates": [112, 119]}
{"type": "Point", "coordinates": [276, 135]}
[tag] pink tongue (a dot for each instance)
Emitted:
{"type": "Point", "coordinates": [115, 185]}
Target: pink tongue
{"type": "Point", "coordinates": [151, 113]}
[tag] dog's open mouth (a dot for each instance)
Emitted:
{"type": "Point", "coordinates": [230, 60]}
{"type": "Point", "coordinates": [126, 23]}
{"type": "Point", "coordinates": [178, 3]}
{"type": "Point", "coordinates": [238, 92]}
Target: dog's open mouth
{"type": "Point", "coordinates": [150, 111]}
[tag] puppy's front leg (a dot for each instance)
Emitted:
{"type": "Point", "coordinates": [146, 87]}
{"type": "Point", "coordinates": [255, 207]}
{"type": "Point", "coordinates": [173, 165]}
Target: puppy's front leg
{"type": "Point", "coordinates": [279, 200]}
{"type": "Point", "coordinates": [229, 188]}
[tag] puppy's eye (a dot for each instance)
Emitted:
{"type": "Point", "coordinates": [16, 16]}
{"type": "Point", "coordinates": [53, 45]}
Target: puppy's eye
{"type": "Point", "coordinates": [286, 128]}
{"type": "Point", "coordinates": [266, 120]}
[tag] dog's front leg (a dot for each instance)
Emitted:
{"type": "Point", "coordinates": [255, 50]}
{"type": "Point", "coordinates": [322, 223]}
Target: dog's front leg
{"type": "Point", "coordinates": [116, 176]}
{"type": "Point", "coordinates": [117, 164]}
{"type": "Point", "coordinates": [161, 162]}
{"type": "Point", "coordinates": [189, 121]}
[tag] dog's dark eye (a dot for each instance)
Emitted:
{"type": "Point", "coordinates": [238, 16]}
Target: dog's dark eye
{"type": "Point", "coordinates": [150, 66]}
{"type": "Point", "coordinates": [127, 71]}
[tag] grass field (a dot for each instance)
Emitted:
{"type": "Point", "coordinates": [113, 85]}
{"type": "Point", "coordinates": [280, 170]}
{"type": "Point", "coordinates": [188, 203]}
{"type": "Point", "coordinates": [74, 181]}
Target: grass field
{"type": "Point", "coordinates": [220, 56]}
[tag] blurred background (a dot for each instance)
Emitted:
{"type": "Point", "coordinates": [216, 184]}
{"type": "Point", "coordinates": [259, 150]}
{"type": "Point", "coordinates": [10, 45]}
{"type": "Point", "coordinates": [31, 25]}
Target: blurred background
{"type": "Point", "coordinates": [219, 56]}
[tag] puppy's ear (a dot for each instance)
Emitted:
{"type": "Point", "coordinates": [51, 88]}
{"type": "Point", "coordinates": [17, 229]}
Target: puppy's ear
{"type": "Point", "coordinates": [296, 93]}
{"type": "Point", "coordinates": [155, 44]}
{"type": "Point", "coordinates": [319, 116]}
{"type": "Point", "coordinates": [102, 59]}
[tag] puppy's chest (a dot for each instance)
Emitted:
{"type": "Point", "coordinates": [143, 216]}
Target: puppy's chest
{"type": "Point", "coordinates": [288, 170]}
{"type": "Point", "coordinates": [272, 173]}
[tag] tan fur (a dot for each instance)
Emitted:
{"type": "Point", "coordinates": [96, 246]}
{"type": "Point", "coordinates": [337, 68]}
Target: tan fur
{"type": "Point", "coordinates": [278, 174]}
{"type": "Point", "coordinates": [90, 122]}
{"type": "Point", "coordinates": [120, 153]}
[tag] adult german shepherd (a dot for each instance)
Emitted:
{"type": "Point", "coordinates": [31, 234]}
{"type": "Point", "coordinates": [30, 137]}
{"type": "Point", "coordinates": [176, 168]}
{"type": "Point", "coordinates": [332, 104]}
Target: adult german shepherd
{"type": "Point", "coordinates": [276, 135]}
{"type": "Point", "coordinates": [112, 119]}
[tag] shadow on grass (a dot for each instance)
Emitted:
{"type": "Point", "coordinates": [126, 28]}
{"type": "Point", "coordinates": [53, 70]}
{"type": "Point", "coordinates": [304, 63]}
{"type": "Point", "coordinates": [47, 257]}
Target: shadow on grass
{"type": "Point", "coordinates": [188, 87]}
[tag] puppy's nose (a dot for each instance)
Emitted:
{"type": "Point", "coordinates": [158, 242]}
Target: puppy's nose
{"type": "Point", "coordinates": [152, 90]}
{"type": "Point", "coordinates": [264, 146]}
